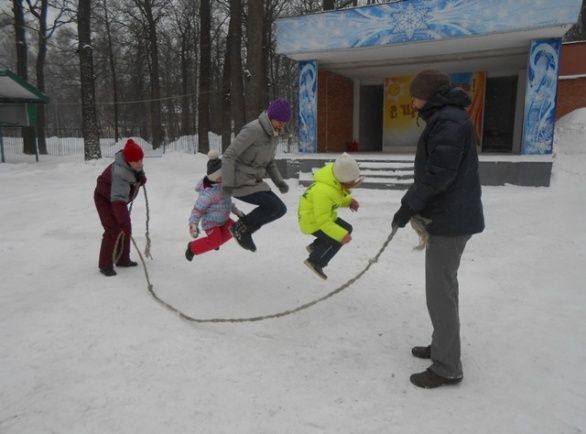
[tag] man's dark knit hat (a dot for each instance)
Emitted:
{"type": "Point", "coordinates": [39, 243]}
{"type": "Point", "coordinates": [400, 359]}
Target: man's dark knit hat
{"type": "Point", "coordinates": [427, 83]}
{"type": "Point", "coordinates": [214, 166]}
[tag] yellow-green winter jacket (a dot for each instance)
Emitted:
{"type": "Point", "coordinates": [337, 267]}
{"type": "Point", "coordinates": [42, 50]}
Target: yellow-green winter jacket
{"type": "Point", "coordinates": [318, 205]}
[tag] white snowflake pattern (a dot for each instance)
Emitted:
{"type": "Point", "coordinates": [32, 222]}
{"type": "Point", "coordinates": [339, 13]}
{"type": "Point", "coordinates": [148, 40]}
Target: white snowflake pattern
{"type": "Point", "coordinates": [410, 21]}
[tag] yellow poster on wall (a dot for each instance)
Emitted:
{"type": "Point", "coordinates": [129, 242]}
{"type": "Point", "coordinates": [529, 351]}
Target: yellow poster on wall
{"type": "Point", "coordinates": [400, 126]}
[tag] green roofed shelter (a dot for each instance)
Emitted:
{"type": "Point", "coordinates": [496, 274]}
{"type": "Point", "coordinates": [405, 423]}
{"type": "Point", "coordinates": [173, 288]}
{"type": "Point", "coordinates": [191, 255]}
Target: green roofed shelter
{"type": "Point", "coordinates": [18, 99]}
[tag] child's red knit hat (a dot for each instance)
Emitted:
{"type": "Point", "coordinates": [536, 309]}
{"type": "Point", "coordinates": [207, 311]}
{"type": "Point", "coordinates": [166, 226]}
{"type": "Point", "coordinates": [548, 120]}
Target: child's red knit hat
{"type": "Point", "coordinates": [132, 151]}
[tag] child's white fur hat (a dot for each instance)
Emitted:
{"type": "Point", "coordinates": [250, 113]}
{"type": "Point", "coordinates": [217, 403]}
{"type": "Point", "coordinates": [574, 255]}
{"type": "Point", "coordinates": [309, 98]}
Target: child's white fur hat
{"type": "Point", "coordinates": [346, 168]}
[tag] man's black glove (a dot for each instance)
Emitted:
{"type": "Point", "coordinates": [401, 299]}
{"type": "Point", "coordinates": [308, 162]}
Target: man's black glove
{"type": "Point", "coordinates": [402, 216]}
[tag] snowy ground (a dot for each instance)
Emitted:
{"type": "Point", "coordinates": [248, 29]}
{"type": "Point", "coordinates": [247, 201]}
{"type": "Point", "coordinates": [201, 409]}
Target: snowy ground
{"type": "Point", "coordinates": [81, 353]}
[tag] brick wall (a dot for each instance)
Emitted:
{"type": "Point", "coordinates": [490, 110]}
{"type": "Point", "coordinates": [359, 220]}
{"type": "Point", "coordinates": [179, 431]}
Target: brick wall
{"type": "Point", "coordinates": [571, 95]}
{"type": "Point", "coordinates": [572, 91]}
{"type": "Point", "coordinates": [573, 58]}
{"type": "Point", "coordinates": [335, 99]}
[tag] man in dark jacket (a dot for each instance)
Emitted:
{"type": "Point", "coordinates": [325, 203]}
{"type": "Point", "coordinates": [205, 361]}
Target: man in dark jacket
{"type": "Point", "coordinates": [117, 186]}
{"type": "Point", "coordinates": [446, 194]}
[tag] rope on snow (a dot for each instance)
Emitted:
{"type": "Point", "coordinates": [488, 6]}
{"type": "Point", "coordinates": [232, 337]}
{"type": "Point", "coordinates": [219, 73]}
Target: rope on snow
{"type": "Point", "coordinates": [151, 290]}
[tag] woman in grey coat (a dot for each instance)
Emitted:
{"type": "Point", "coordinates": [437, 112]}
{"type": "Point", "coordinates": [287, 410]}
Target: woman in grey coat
{"type": "Point", "coordinates": [248, 159]}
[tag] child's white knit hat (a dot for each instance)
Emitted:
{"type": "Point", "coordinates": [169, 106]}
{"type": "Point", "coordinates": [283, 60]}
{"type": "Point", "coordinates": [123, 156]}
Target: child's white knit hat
{"type": "Point", "coordinates": [346, 168]}
{"type": "Point", "coordinates": [214, 166]}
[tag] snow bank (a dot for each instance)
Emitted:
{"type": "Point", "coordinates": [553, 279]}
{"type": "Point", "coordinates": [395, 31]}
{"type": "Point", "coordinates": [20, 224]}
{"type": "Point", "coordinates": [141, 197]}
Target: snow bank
{"type": "Point", "coordinates": [569, 133]}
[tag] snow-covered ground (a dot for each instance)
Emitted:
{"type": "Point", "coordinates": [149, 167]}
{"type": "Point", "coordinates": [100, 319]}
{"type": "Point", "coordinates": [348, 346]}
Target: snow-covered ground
{"type": "Point", "coordinates": [82, 353]}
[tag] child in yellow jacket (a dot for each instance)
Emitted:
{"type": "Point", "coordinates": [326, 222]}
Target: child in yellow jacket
{"type": "Point", "coordinates": [317, 212]}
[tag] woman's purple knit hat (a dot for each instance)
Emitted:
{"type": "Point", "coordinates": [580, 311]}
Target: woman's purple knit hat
{"type": "Point", "coordinates": [279, 110]}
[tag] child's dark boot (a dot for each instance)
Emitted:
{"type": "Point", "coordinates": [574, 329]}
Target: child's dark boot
{"type": "Point", "coordinates": [316, 269]}
{"type": "Point", "coordinates": [188, 253]}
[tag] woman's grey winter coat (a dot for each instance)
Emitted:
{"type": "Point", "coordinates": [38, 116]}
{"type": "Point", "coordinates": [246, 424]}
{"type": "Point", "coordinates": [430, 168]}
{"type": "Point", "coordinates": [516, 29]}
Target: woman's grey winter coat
{"type": "Point", "coordinates": [249, 158]}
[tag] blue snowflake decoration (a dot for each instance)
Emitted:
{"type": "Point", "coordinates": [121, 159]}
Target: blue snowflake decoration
{"type": "Point", "coordinates": [418, 20]}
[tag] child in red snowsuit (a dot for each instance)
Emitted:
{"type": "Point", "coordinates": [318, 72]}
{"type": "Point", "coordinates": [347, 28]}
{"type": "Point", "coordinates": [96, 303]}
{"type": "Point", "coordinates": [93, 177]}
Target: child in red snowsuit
{"type": "Point", "coordinates": [117, 186]}
{"type": "Point", "coordinates": [212, 209]}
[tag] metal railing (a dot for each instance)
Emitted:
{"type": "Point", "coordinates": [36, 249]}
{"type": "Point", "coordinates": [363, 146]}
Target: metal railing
{"type": "Point", "coordinates": [67, 145]}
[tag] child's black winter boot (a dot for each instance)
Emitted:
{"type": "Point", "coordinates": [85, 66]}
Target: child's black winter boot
{"type": "Point", "coordinates": [316, 269]}
{"type": "Point", "coordinates": [188, 253]}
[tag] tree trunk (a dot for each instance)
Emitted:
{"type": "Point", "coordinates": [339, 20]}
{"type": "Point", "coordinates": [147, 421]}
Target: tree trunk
{"type": "Point", "coordinates": [195, 83]}
{"type": "Point", "coordinates": [91, 137]}
{"type": "Point", "coordinates": [185, 83]}
{"type": "Point", "coordinates": [329, 5]}
{"type": "Point", "coordinates": [226, 100]}
{"type": "Point", "coordinates": [204, 77]}
{"type": "Point", "coordinates": [20, 36]}
{"type": "Point", "coordinates": [112, 70]}
{"type": "Point", "coordinates": [28, 133]}
{"type": "Point", "coordinates": [40, 67]}
{"type": "Point", "coordinates": [156, 125]}
{"type": "Point", "coordinates": [269, 58]}
{"type": "Point", "coordinates": [236, 88]}
{"type": "Point", "coordinates": [255, 75]}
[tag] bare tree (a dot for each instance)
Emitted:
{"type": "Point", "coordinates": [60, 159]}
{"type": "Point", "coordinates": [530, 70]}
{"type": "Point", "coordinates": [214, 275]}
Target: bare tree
{"type": "Point", "coordinates": [186, 38]}
{"type": "Point", "coordinates": [235, 43]}
{"type": "Point", "coordinates": [255, 74]}
{"type": "Point", "coordinates": [204, 76]}
{"type": "Point", "coordinates": [20, 36]}
{"type": "Point", "coordinates": [200, 81]}
{"type": "Point", "coordinates": [91, 138]}
{"type": "Point", "coordinates": [329, 5]}
{"type": "Point", "coordinates": [112, 62]}
{"type": "Point", "coordinates": [184, 32]}
{"type": "Point", "coordinates": [39, 10]}
{"type": "Point", "coordinates": [28, 133]}
{"type": "Point", "coordinates": [226, 97]}
{"type": "Point", "coordinates": [152, 11]}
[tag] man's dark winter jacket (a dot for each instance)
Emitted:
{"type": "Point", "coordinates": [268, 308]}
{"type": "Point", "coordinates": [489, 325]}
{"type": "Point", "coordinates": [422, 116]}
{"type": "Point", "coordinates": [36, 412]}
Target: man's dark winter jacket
{"type": "Point", "coordinates": [447, 185]}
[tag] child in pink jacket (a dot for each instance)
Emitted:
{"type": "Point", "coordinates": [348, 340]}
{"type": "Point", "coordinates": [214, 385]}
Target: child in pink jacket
{"type": "Point", "coordinates": [212, 210]}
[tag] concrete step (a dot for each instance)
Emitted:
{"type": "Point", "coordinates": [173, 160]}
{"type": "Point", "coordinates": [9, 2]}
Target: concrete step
{"type": "Point", "coordinates": [380, 181]}
{"type": "Point", "coordinates": [378, 174]}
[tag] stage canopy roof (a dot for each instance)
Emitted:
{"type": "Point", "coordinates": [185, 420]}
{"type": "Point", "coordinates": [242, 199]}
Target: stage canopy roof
{"type": "Point", "coordinates": [371, 42]}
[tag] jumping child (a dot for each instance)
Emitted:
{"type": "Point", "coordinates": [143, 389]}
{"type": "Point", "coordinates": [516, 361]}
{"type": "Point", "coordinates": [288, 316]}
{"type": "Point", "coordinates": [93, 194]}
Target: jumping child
{"type": "Point", "coordinates": [317, 211]}
{"type": "Point", "coordinates": [211, 209]}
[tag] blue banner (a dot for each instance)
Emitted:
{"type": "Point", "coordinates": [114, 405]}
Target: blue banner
{"type": "Point", "coordinates": [307, 121]}
{"type": "Point", "coordinates": [540, 96]}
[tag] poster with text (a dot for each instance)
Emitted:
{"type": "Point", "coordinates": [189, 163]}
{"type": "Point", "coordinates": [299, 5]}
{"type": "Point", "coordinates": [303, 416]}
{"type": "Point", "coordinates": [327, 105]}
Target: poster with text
{"type": "Point", "coordinates": [400, 125]}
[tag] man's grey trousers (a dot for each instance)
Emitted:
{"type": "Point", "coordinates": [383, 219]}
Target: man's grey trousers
{"type": "Point", "coordinates": [442, 260]}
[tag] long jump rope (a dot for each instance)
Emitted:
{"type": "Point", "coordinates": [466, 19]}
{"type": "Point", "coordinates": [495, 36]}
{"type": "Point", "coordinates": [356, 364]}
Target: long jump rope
{"type": "Point", "coordinates": [150, 287]}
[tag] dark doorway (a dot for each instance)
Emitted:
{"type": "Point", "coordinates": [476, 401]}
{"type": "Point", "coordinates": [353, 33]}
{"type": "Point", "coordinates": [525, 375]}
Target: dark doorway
{"type": "Point", "coordinates": [371, 118]}
{"type": "Point", "coordinates": [499, 114]}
